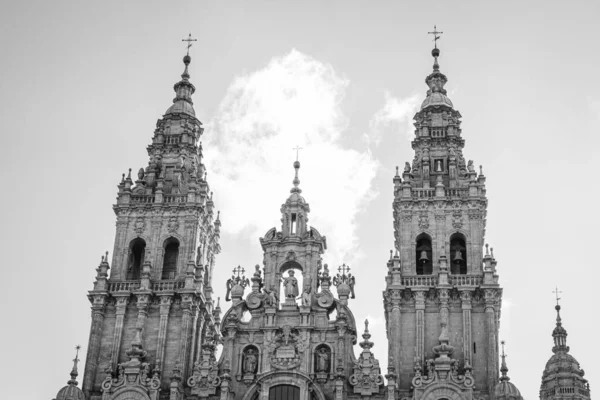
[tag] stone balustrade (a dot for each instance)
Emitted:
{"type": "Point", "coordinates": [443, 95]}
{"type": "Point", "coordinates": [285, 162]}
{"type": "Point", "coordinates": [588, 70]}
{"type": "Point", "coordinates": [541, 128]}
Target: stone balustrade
{"type": "Point", "coordinates": [466, 280]}
{"type": "Point", "coordinates": [163, 286]}
{"type": "Point", "coordinates": [142, 198]}
{"type": "Point", "coordinates": [419, 280]}
{"type": "Point", "coordinates": [123, 286]}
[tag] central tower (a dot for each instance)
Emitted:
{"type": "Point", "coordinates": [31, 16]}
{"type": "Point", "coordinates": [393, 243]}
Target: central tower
{"type": "Point", "coordinates": [442, 298]}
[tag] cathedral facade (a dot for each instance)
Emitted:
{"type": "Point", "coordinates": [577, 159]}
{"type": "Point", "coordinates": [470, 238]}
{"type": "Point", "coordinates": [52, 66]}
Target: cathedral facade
{"type": "Point", "coordinates": [290, 333]}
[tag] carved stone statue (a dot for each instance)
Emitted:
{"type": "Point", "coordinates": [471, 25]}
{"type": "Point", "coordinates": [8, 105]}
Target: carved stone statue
{"type": "Point", "coordinates": [250, 361]}
{"type": "Point", "coordinates": [306, 296]}
{"type": "Point", "coordinates": [322, 360]}
{"type": "Point", "coordinates": [470, 166]}
{"type": "Point", "coordinates": [407, 167]}
{"type": "Point", "coordinates": [271, 296]}
{"type": "Point", "coordinates": [290, 285]}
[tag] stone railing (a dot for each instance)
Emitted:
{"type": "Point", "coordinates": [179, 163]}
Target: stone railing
{"type": "Point", "coordinates": [453, 192]}
{"type": "Point", "coordinates": [423, 193]}
{"type": "Point", "coordinates": [177, 198]}
{"type": "Point", "coordinates": [172, 139]}
{"type": "Point", "coordinates": [466, 280]}
{"type": "Point", "coordinates": [164, 286]}
{"type": "Point", "coordinates": [419, 280]}
{"type": "Point", "coordinates": [124, 286]}
{"type": "Point", "coordinates": [142, 198]}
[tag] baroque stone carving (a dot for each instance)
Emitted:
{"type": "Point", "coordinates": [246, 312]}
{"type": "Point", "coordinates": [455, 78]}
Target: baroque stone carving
{"type": "Point", "coordinates": [285, 348]}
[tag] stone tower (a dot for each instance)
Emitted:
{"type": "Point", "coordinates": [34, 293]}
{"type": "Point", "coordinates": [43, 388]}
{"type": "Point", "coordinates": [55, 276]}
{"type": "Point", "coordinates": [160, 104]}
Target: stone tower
{"type": "Point", "coordinates": [563, 377]}
{"type": "Point", "coordinates": [277, 349]}
{"type": "Point", "coordinates": [151, 315]}
{"type": "Point", "coordinates": [442, 299]}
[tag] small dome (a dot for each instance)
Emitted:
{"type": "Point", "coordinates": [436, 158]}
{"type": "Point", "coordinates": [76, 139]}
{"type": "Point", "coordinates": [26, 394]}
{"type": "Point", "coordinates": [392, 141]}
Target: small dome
{"type": "Point", "coordinates": [296, 198]}
{"type": "Point", "coordinates": [436, 99]}
{"type": "Point", "coordinates": [181, 107]}
{"type": "Point", "coordinates": [237, 291]}
{"type": "Point", "coordinates": [506, 390]}
{"type": "Point", "coordinates": [70, 392]}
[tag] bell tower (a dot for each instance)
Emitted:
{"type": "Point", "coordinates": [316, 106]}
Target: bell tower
{"type": "Point", "coordinates": [151, 314]}
{"type": "Point", "coordinates": [442, 299]}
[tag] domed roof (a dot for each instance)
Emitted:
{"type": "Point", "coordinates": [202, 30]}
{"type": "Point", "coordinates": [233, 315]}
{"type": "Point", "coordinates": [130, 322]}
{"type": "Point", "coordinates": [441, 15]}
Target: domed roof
{"type": "Point", "coordinates": [507, 390]}
{"type": "Point", "coordinates": [562, 373]}
{"type": "Point", "coordinates": [70, 392]}
{"type": "Point", "coordinates": [436, 99]}
{"type": "Point", "coordinates": [181, 107]}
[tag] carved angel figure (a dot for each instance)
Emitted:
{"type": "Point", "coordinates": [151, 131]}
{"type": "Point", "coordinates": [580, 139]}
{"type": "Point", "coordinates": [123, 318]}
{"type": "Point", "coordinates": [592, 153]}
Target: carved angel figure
{"type": "Point", "coordinates": [229, 285]}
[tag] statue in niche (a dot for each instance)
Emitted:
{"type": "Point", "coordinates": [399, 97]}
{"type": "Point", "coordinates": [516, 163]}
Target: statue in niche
{"type": "Point", "coordinates": [323, 360]}
{"type": "Point", "coordinates": [290, 285]}
{"type": "Point", "coordinates": [438, 166]}
{"type": "Point", "coordinates": [306, 296]}
{"type": "Point", "coordinates": [250, 361]}
{"type": "Point", "coordinates": [406, 167]}
{"type": "Point", "coordinates": [271, 296]}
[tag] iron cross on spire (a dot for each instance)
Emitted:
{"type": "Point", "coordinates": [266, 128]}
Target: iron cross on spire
{"type": "Point", "coordinates": [436, 35]}
{"type": "Point", "coordinates": [556, 293]}
{"type": "Point", "coordinates": [297, 148]}
{"type": "Point", "coordinates": [238, 271]}
{"type": "Point", "coordinates": [189, 41]}
{"type": "Point", "coordinates": [344, 269]}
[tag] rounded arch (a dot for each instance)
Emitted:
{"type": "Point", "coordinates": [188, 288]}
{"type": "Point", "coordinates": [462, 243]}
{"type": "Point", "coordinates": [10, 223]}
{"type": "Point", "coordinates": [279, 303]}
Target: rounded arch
{"type": "Point", "coordinates": [443, 391]}
{"type": "Point", "coordinates": [136, 255]}
{"type": "Point", "coordinates": [423, 254]}
{"type": "Point", "coordinates": [289, 264]}
{"type": "Point", "coordinates": [458, 253]}
{"type": "Point", "coordinates": [419, 233]}
{"type": "Point", "coordinates": [171, 253]}
{"type": "Point", "coordinates": [274, 378]}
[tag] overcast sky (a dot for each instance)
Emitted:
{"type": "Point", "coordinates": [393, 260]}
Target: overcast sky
{"type": "Point", "coordinates": [83, 83]}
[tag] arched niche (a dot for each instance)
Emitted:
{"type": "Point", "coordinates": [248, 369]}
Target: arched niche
{"type": "Point", "coordinates": [423, 254]}
{"type": "Point", "coordinates": [135, 258]}
{"type": "Point", "coordinates": [249, 362]}
{"type": "Point", "coordinates": [170, 258]}
{"type": "Point", "coordinates": [458, 254]}
{"type": "Point", "coordinates": [288, 272]}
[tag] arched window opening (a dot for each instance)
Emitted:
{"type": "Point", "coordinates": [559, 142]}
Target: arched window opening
{"type": "Point", "coordinates": [458, 254]}
{"type": "Point", "coordinates": [137, 250]}
{"type": "Point", "coordinates": [424, 255]}
{"type": "Point", "coordinates": [170, 259]}
{"type": "Point", "coordinates": [292, 280]}
{"type": "Point", "coordinates": [293, 224]}
{"type": "Point", "coordinates": [284, 392]}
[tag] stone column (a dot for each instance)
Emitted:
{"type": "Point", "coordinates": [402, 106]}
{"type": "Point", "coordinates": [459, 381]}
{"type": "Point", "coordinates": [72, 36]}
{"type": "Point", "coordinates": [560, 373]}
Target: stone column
{"type": "Point", "coordinates": [165, 308]}
{"type": "Point", "coordinates": [190, 308]}
{"type": "Point", "coordinates": [118, 334]}
{"type": "Point", "coordinates": [465, 297]}
{"type": "Point", "coordinates": [444, 296]}
{"type": "Point", "coordinates": [420, 326]}
{"type": "Point", "coordinates": [93, 352]}
{"type": "Point", "coordinates": [142, 306]}
{"type": "Point", "coordinates": [199, 329]}
{"type": "Point", "coordinates": [492, 359]}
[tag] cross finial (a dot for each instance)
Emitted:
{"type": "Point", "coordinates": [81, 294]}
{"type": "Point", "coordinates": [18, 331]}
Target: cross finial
{"type": "Point", "coordinates": [238, 271]}
{"type": "Point", "coordinates": [556, 293]}
{"type": "Point", "coordinates": [297, 148]}
{"type": "Point", "coordinates": [344, 269]}
{"type": "Point", "coordinates": [189, 41]}
{"type": "Point", "coordinates": [503, 343]}
{"type": "Point", "coordinates": [435, 34]}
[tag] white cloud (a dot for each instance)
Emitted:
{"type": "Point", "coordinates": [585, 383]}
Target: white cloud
{"type": "Point", "coordinates": [394, 113]}
{"type": "Point", "coordinates": [294, 100]}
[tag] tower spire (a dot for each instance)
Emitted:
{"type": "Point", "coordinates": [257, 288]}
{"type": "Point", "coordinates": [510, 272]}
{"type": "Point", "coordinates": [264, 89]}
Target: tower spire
{"type": "Point", "coordinates": [559, 333]}
{"type": "Point", "coordinates": [74, 373]}
{"type": "Point", "coordinates": [504, 368]}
